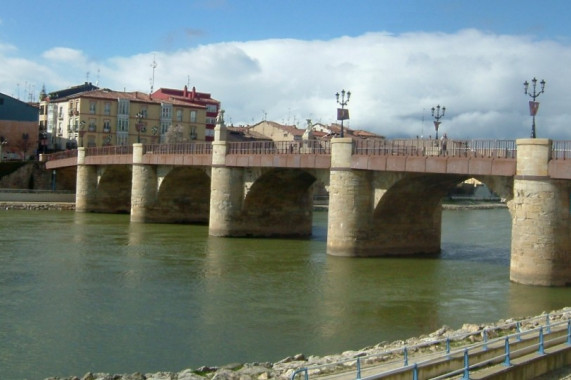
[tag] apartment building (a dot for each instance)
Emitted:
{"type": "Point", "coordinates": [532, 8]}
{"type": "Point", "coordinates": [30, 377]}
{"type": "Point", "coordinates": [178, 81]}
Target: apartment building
{"type": "Point", "coordinates": [211, 105]}
{"type": "Point", "coordinates": [104, 117]}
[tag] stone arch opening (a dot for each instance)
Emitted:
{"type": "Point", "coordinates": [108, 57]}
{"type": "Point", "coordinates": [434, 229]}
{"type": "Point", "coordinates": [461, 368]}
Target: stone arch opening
{"type": "Point", "coordinates": [114, 190]}
{"type": "Point", "coordinates": [183, 197]}
{"type": "Point", "coordinates": [279, 203]}
{"type": "Point", "coordinates": [408, 217]}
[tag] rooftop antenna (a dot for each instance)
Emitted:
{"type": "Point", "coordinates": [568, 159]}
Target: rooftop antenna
{"type": "Point", "coordinates": [87, 77]}
{"type": "Point", "coordinates": [188, 81]}
{"type": "Point", "coordinates": [154, 66]}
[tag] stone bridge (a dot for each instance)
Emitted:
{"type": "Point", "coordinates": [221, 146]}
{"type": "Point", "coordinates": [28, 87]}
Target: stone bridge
{"type": "Point", "coordinates": [384, 196]}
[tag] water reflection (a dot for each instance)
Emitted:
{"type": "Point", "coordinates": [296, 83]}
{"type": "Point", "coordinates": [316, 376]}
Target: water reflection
{"type": "Point", "coordinates": [107, 295]}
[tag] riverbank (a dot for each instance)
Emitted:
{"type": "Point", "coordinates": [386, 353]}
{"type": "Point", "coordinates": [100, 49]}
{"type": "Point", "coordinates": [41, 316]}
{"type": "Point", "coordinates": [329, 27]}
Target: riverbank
{"type": "Point", "coordinates": [70, 206]}
{"type": "Point", "coordinates": [283, 369]}
{"type": "Point", "coordinates": [37, 206]}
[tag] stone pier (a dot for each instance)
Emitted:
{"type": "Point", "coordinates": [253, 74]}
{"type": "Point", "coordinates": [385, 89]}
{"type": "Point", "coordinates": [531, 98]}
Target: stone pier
{"type": "Point", "coordinates": [86, 184]}
{"type": "Point", "coordinates": [540, 219]}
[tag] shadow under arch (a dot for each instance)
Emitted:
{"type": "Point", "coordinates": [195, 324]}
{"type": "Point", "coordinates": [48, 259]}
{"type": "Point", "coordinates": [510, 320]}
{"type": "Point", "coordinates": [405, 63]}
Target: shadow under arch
{"type": "Point", "coordinates": [183, 197]}
{"type": "Point", "coordinates": [114, 190]}
{"type": "Point", "coordinates": [280, 203]}
{"type": "Point", "coordinates": [408, 217]}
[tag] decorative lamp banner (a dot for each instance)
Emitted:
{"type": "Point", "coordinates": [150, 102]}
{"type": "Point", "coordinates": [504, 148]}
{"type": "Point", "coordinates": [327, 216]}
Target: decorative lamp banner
{"type": "Point", "coordinates": [533, 108]}
{"type": "Point", "coordinates": [342, 114]}
{"type": "Point", "coordinates": [437, 124]}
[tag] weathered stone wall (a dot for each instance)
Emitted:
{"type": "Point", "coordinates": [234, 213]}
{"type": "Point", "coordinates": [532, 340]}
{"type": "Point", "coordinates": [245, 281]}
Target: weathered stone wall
{"type": "Point", "coordinates": [540, 220]}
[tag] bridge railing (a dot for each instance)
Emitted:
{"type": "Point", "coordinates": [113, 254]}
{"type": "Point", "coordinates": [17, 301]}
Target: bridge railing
{"type": "Point", "coordinates": [179, 148]}
{"type": "Point", "coordinates": [561, 150]}
{"type": "Point", "coordinates": [60, 155]}
{"type": "Point", "coordinates": [280, 147]}
{"type": "Point", "coordinates": [428, 147]}
{"type": "Point", "coordinates": [110, 150]}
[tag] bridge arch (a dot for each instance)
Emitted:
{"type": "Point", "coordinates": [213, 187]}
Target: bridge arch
{"type": "Point", "coordinates": [280, 203]}
{"type": "Point", "coordinates": [183, 196]}
{"type": "Point", "coordinates": [113, 193]}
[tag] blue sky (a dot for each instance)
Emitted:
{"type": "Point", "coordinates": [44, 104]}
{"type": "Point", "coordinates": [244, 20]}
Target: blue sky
{"type": "Point", "coordinates": [286, 59]}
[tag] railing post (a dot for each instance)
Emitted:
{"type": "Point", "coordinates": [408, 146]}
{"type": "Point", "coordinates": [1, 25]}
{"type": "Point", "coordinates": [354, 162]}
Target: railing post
{"type": "Point", "coordinates": [415, 372]}
{"type": "Point", "coordinates": [466, 366]}
{"type": "Point", "coordinates": [507, 361]}
{"type": "Point", "coordinates": [518, 329]}
{"type": "Point", "coordinates": [294, 374]}
{"type": "Point", "coordinates": [541, 343]}
{"type": "Point", "coordinates": [485, 345]}
{"type": "Point", "coordinates": [448, 346]}
{"type": "Point", "coordinates": [569, 333]}
{"type": "Point", "coordinates": [358, 368]}
{"type": "Point", "coordinates": [405, 353]}
{"type": "Point", "coordinates": [547, 325]}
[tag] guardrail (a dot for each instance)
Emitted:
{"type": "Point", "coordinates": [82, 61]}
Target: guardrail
{"type": "Point", "coordinates": [428, 147]}
{"type": "Point", "coordinates": [181, 148]}
{"type": "Point", "coordinates": [467, 357]}
{"type": "Point", "coordinates": [280, 147]}
{"type": "Point", "coordinates": [561, 150]}
{"type": "Point", "coordinates": [110, 150]}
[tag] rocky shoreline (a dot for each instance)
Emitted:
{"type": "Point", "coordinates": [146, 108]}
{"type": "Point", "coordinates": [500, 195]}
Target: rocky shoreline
{"type": "Point", "coordinates": [283, 369]}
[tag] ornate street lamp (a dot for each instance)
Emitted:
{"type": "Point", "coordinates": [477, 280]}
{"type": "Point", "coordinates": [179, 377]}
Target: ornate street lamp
{"type": "Point", "coordinates": [437, 116]}
{"type": "Point", "coordinates": [533, 105]}
{"type": "Point", "coordinates": [343, 113]}
{"type": "Point", "coordinates": [138, 126]}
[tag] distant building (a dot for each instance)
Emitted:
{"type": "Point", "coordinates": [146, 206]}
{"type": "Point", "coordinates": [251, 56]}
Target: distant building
{"type": "Point", "coordinates": [106, 117]}
{"type": "Point", "coordinates": [18, 128]}
{"type": "Point", "coordinates": [48, 115]}
{"type": "Point", "coordinates": [211, 105]}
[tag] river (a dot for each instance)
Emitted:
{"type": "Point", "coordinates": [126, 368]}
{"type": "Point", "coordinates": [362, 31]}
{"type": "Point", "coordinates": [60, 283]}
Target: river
{"type": "Point", "coordinates": [93, 292]}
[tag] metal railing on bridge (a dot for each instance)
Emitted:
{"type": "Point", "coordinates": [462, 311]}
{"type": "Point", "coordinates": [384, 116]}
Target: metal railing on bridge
{"type": "Point", "coordinates": [428, 147]}
{"type": "Point", "coordinates": [561, 150]}
{"type": "Point", "coordinates": [280, 147]}
{"type": "Point", "coordinates": [109, 150]}
{"type": "Point", "coordinates": [179, 148]}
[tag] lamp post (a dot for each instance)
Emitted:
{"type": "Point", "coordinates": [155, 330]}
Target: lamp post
{"type": "Point", "coordinates": [437, 116]}
{"type": "Point", "coordinates": [3, 142]}
{"type": "Point", "coordinates": [342, 113]}
{"type": "Point", "coordinates": [138, 126]}
{"type": "Point", "coordinates": [533, 105]}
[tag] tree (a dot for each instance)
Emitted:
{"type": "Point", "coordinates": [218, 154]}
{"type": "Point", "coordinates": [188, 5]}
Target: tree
{"type": "Point", "coordinates": [175, 134]}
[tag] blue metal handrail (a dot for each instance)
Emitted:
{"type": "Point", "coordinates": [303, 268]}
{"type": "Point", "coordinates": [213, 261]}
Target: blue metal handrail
{"type": "Point", "coordinates": [447, 354]}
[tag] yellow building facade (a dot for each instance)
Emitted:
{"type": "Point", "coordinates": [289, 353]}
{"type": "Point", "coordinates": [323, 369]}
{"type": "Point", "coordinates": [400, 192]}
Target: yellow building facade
{"type": "Point", "coordinates": [104, 117]}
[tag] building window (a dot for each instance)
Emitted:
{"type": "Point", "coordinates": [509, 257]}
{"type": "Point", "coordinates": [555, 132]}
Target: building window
{"type": "Point", "coordinates": [91, 126]}
{"type": "Point", "coordinates": [144, 112]}
{"type": "Point", "coordinates": [123, 107]}
{"type": "Point", "coordinates": [122, 124]}
{"type": "Point", "coordinates": [92, 107]}
{"type": "Point", "coordinates": [165, 127]}
{"type": "Point", "coordinates": [178, 115]}
{"type": "Point", "coordinates": [210, 120]}
{"type": "Point", "coordinates": [166, 111]}
{"type": "Point", "coordinates": [211, 108]}
{"type": "Point", "coordinates": [106, 126]}
{"type": "Point", "coordinates": [193, 134]}
{"type": "Point", "coordinates": [193, 116]}
{"type": "Point", "coordinates": [107, 108]}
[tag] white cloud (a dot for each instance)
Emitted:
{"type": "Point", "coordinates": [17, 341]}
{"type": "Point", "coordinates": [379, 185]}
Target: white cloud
{"type": "Point", "coordinates": [394, 80]}
{"type": "Point", "coordinates": [65, 55]}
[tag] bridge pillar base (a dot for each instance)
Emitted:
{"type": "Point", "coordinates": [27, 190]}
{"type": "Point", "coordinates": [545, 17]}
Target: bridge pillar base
{"type": "Point", "coordinates": [143, 193]}
{"type": "Point", "coordinates": [226, 195]}
{"type": "Point", "coordinates": [86, 185]}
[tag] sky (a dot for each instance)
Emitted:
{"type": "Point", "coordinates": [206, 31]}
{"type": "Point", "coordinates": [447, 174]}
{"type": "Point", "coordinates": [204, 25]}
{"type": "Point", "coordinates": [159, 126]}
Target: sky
{"type": "Point", "coordinates": [284, 60]}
